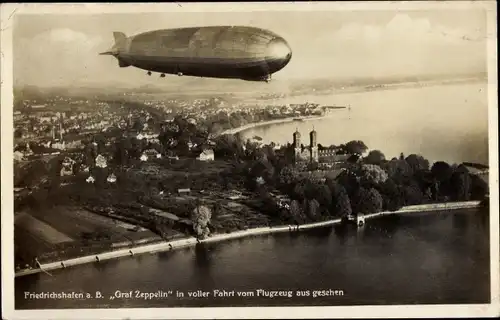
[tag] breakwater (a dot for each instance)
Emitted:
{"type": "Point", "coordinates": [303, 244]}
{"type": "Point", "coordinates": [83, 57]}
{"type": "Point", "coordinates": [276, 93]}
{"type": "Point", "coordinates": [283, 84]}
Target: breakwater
{"type": "Point", "coordinates": [191, 241]}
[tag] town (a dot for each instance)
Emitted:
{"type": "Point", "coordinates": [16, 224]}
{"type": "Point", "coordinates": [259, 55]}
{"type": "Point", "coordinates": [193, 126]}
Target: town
{"type": "Point", "coordinates": [101, 173]}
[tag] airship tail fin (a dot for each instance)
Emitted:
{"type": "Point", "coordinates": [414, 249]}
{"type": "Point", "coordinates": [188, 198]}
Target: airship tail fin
{"type": "Point", "coordinates": [120, 37]}
{"type": "Point", "coordinates": [119, 46]}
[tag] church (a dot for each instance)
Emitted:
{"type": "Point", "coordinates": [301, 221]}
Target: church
{"type": "Point", "coordinates": [325, 157]}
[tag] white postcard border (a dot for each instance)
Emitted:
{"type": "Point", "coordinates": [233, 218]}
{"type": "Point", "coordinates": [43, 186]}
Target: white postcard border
{"type": "Point", "coordinates": [8, 11]}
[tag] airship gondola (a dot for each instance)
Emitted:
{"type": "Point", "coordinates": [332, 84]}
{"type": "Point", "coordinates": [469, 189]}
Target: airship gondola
{"type": "Point", "coordinates": [231, 52]}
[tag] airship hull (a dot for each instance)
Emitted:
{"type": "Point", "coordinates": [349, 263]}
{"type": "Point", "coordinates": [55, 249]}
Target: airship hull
{"type": "Point", "coordinates": [220, 52]}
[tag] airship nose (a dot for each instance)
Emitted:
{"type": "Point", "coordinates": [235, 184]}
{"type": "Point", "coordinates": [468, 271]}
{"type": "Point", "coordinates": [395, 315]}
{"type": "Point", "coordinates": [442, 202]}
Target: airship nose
{"type": "Point", "coordinates": [278, 54]}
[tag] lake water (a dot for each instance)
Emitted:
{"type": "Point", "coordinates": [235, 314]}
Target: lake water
{"type": "Point", "coordinates": [431, 258]}
{"type": "Point", "coordinates": [444, 122]}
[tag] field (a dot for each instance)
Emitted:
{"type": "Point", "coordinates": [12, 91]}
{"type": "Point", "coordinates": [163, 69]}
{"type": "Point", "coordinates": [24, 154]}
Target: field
{"type": "Point", "coordinates": [67, 231]}
{"type": "Point", "coordinates": [70, 230]}
{"type": "Point", "coordinates": [40, 229]}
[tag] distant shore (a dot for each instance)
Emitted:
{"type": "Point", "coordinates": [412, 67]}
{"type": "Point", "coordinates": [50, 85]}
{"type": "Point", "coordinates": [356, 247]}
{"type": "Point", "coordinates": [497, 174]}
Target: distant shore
{"type": "Point", "coordinates": [191, 241]}
{"type": "Point", "coordinates": [352, 90]}
{"type": "Point", "coordinates": [265, 123]}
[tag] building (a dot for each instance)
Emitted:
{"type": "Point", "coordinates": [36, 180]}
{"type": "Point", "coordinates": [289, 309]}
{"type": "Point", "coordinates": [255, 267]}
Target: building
{"type": "Point", "coordinates": [18, 156]}
{"type": "Point", "coordinates": [101, 162]}
{"type": "Point", "coordinates": [184, 191]}
{"type": "Point", "coordinates": [67, 167]}
{"type": "Point", "coordinates": [308, 153]}
{"type": "Point", "coordinates": [206, 155]}
{"type": "Point", "coordinates": [325, 157]}
{"type": "Point", "coordinates": [66, 171]}
{"type": "Point", "coordinates": [151, 153]}
{"type": "Point", "coordinates": [111, 178]}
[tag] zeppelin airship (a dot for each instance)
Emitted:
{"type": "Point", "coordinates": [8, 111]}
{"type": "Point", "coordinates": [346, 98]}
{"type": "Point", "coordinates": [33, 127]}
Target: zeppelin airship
{"type": "Point", "coordinates": [231, 52]}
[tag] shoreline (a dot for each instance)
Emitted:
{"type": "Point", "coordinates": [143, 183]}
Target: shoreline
{"type": "Point", "coordinates": [192, 241]}
{"type": "Point", "coordinates": [269, 122]}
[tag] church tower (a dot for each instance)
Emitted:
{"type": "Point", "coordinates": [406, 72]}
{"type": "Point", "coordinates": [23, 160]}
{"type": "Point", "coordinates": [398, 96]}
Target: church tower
{"type": "Point", "coordinates": [296, 145]}
{"type": "Point", "coordinates": [314, 145]}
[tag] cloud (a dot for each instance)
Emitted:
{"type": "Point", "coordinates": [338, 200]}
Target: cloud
{"type": "Point", "coordinates": [404, 45]}
{"type": "Point", "coordinates": [58, 54]}
{"type": "Point", "coordinates": [402, 29]}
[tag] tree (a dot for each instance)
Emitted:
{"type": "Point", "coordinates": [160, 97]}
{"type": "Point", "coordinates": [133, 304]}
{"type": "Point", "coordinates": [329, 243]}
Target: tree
{"type": "Point", "coordinates": [417, 162]}
{"type": "Point", "coordinates": [313, 209]}
{"type": "Point", "coordinates": [355, 146]}
{"type": "Point", "coordinates": [299, 189]}
{"type": "Point", "coordinates": [120, 156]}
{"type": "Point", "coordinates": [287, 175]}
{"type": "Point", "coordinates": [368, 201]}
{"type": "Point", "coordinates": [311, 189]}
{"type": "Point", "coordinates": [228, 146]}
{"type": "Point", "coordinates": [18, 133]}
{"type": "Point", "coordinates": [461, 183]}
{"type": "Point", "coordinates": [217, 209]}
{"type": "Point", "coordinates": [30, 174]}
{"type": "Point", "coordinates": [342, 202]}
{"type": "Point", "coordinates": [295, 211]}
{"type": "Point", "coordinates": [399, 170]}
{"type": "Point", "coordinates": [372, 174]}
{"type": "Point", "coordinates": [201, 217]}
{"type": "Point", "coordinates": [324, 196]}
{"type": "Point", "coordinates": [133, 147]}
{"type": "Point", "coordinates": [138, 124]}
{"type": "Point", "coordinates": [479, 187]}
{"type": "Point", "coordinates": [375, 157]}
{"type": "Point", "coordinates": [441, 172]}
{"type": "Point", "coordinates": [463, 186]}
{"type": "Point", "coordinates": [393, 195]}
{"type": "Point", "coordinates": [413, 194]}
{"type": "Point", "coordinates": [251, 149]}
{"type": "Point", "coordinates": [349, 181]}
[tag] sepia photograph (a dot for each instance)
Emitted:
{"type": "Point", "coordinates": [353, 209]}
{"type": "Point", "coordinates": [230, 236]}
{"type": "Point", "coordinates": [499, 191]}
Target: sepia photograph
{"type": "Point", "coordinates": [213, 161]}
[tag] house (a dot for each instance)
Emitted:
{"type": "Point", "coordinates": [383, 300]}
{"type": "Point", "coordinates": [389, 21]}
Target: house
{"type": "Point", "coordinates": [234, 195]}
{"type": "Point", "coordinates": [151, 153]}
{"type": "Point", "coordinates": [111, 178]}
{"type": "Point", "coordinates": [260, 180]}
{"type": "Point", "coordinates": [184, 191]}
{"type": "Point", "coordinates": [66, 171]}
{"type": "Point", "coordinates": [59, 145]}
{"type": "Point", "coordinates": [18, 156]}
{"type": "Point", "coordinates": [206, 155]}
{"type": "Point", "coordinates": [68, 162]}
{"type": "Point", "coordinates": [144, 157]}
{"type": "Point", "coordinates": [101, 162]}
{"type": "Point", "coordinates": [90, 179]}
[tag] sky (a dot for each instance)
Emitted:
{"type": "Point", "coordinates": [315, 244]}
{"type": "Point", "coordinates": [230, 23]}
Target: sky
{"type": "Point", "coordinates": [54, 50]}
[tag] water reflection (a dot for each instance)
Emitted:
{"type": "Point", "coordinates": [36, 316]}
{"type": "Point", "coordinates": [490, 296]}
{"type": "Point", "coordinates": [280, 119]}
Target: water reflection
{"type": "Point", "coordinates": [430, 107]}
